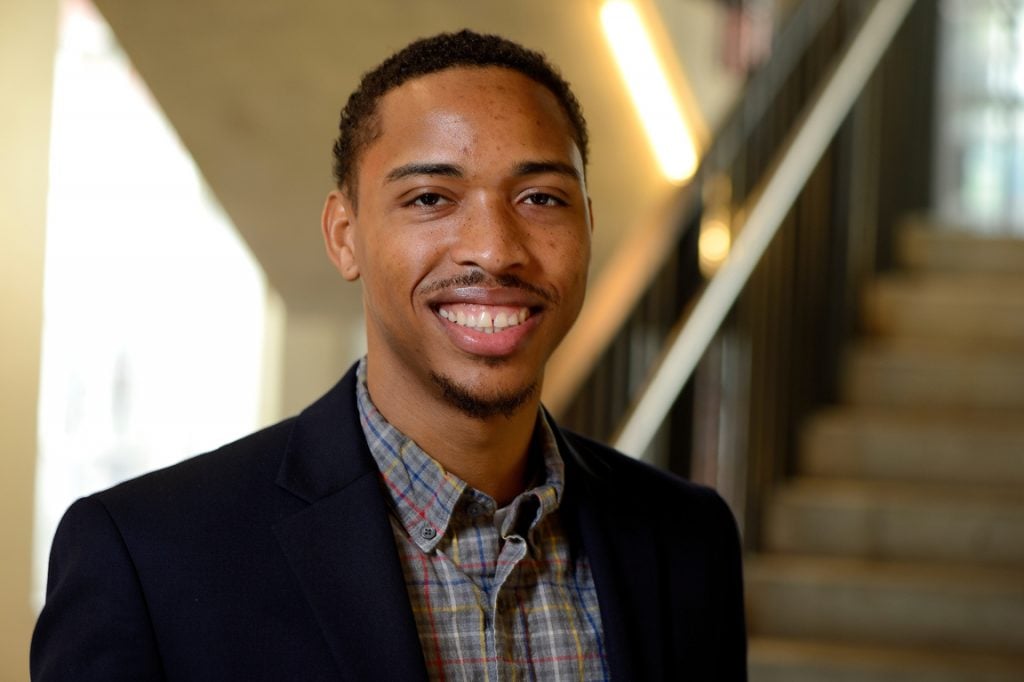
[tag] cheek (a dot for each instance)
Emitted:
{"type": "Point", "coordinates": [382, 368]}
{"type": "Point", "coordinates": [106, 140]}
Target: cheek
{"type": "Point", "coordinates": [571, 258]}
{"type": "Point", "coordinates": [404, 257]}
{"type": "Point", "coordinates": [572, 241]}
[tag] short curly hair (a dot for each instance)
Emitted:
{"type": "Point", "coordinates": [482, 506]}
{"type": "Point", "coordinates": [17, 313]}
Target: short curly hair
{"type": "Point", "coordinates": [359, 124]}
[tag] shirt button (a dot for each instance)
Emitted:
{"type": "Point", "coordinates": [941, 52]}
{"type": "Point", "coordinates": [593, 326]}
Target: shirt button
{"type": "Point", "coordinates": [427, 533]}
{"type": "Point", "coordinates": [475, 509]}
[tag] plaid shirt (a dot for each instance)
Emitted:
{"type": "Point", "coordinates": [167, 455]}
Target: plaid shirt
{"type": "Point", "coordinates": [496, 594]}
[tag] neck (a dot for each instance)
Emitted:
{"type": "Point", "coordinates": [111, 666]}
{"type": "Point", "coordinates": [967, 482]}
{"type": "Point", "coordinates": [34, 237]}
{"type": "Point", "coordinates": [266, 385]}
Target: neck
{"type": "Point", "coordinates": [491, 454]}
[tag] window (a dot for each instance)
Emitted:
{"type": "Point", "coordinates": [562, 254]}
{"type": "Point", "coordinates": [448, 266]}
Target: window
{"type": "Point", "coordinates": [153, 308]}
{"type": "Point", "coordinates": [979, 174]}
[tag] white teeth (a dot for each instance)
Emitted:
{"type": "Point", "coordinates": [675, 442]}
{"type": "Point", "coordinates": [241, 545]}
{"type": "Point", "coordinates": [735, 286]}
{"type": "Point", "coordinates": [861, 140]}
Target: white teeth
{"type": "Point", "coordinates": [483, 321]}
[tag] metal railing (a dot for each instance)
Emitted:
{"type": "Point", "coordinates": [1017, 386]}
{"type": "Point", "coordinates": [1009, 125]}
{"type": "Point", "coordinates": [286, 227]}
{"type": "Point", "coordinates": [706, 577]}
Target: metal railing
{"type": "Point", "coordinates": [763, 218]}
{"type": "Point", "coordinates": [710, 379]}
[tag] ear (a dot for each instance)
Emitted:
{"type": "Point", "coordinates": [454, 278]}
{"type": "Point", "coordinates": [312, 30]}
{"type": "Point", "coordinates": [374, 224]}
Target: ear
{"type": "Point", "coordinates": [338, 229]}
{"type": "Point", "coordinates": [590, 214]}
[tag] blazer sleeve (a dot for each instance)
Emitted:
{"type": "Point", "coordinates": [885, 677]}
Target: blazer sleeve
{"type": "Point", "coordinates": [95, 624]}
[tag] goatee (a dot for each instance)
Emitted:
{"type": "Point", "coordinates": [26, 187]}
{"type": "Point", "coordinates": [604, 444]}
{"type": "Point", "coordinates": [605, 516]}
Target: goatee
{"type": "Point", "coordinates": [483, 407]}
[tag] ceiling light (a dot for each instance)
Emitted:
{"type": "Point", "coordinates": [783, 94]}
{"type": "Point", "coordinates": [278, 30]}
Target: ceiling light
{"type": "Point", "coordinates": [645, 76]}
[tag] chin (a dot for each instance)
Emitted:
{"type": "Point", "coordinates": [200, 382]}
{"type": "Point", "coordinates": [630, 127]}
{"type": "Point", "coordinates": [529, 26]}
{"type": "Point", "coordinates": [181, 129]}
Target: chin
{"type": "Point", "coordinates": [480, 404]}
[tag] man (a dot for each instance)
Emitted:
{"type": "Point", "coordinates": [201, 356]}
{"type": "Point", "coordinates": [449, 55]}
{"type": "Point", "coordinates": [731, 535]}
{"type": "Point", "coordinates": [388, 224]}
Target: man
{"type": "Point", "coordinates": [426, 519]}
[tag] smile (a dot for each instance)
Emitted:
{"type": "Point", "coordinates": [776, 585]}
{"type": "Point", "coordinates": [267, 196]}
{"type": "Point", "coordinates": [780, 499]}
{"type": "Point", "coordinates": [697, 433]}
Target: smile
{"type": "Point", "coordinates": [488, 319]}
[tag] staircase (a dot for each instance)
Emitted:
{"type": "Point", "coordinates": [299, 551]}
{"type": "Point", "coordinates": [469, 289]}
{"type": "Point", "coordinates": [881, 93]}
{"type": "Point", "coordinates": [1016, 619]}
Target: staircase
{"type": "Point", "coordinates": [897, 552]}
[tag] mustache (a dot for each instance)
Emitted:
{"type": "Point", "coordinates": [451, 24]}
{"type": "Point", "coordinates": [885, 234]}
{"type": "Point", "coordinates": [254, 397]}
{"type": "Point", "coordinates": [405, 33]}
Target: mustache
{"type": "Point", "coordinates": [477, 278]}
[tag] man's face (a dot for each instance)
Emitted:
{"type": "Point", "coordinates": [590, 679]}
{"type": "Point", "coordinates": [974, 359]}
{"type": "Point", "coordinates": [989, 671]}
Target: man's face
{"type": "Point", "coordinates": [472, 237]}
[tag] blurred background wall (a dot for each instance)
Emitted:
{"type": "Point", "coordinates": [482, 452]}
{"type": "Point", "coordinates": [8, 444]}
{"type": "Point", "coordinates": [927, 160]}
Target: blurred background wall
{"type": "Point", "coordinates": [28, 34]}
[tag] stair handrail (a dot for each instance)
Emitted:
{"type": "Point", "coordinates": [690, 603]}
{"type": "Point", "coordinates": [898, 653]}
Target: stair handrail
{"type": "Point", "coordinates": [764, 213]}
{"type": "Point", "coordinates": [626, 280]}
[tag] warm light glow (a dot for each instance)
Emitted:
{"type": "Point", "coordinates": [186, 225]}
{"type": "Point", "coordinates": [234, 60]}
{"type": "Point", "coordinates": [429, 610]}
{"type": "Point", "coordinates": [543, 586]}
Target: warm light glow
{"type": "Point", "coordinates": [713, 245]}
{"type": "Point", "coordinates": [648, 83]}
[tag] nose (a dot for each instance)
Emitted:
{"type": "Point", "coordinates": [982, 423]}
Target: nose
{"type": "Point", "coordinates": [490, 237]}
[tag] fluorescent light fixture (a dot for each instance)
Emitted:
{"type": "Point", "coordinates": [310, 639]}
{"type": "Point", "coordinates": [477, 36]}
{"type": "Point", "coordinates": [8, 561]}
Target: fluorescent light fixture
{"type": "Point", "coordinates": [648, 84]}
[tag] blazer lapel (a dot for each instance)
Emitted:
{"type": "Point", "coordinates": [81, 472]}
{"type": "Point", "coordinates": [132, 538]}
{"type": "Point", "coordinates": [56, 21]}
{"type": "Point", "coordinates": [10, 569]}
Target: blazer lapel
{"type": "Point", "coordinates": [341, 547]}
{"type": "Point", "coordinates": [622, 551]}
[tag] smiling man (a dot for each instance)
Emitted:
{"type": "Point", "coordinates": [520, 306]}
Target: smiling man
{"type": "Point", "coordinates": [426, 519]}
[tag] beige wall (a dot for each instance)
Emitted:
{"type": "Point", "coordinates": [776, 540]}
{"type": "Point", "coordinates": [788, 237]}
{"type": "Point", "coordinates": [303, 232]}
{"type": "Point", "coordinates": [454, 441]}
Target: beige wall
{"type": "Point", "coordinates": [27, 44]}
{"type": "Point", "coordinates": [318, 348]}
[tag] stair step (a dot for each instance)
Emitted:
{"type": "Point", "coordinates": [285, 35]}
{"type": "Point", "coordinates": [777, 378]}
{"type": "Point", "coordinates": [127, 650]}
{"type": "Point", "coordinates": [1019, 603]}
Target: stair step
{"type": "Point", "coordinates": [896, 603]}
{"type": "Point", "coordinates": [934, 375]}
{"type": "Point", "coordinates": [922, 245]}
{"type": "Point", "coordinates": [793, 660]}
{"type": "Point", "coordinates": [914, 445]}
{"type": "Point", "coordinates": [898, 520]}
{"type": "Point", "coordinates": [971, 308]}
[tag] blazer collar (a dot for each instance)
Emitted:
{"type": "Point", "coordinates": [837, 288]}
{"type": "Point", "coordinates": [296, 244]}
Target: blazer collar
{"type": "Point", "coordinates": [341, 547]}
{"type": "Point", "coordinates": [326, 451]}
{"type": "Point", "coordinates": [623, 553]}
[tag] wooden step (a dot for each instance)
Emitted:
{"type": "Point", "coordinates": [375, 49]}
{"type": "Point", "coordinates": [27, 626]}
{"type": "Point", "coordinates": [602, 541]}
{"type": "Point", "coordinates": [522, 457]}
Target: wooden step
{"type": "Point", "coordinates": [916, 445]}
{"type": "Point", "coordinates": [924, 245]}
{"type": "Point", "coordinates": [978, 309]}
{"type": "Point", "coordinates": [947, 522]}
{"type": "Point", "coordinates": [934, 375]}
{"type": "Point", "coordinates": [977, 609]}
{"type": "Point", "coordinates": [793, 660]}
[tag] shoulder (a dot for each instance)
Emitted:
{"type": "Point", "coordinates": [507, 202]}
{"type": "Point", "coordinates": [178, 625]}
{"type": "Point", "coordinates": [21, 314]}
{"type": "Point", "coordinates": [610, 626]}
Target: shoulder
{"type": "Point", "coordinates": [257, 454]}
{"type": "Point", "coordinates": [182, 530]}
{"type": "Point", "coordinates": [252, 482]}
{"type": "Point", "coordinates": [637, 489]}
{"type": "Point", "coordinates": [210, 482]}
{"type": "Point", "coordinates": [631, 477]}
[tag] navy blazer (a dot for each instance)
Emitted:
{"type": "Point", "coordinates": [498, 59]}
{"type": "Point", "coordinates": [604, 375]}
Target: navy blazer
{"type": "Point", "coordinates": [272, 558]}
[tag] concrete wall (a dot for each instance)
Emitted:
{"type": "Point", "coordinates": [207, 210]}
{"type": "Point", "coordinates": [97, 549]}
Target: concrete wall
{"type": "Point", "coordinates": [27, 44]}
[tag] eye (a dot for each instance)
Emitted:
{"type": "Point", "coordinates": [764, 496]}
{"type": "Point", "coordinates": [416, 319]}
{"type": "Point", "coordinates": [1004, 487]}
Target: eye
{"type": "Point", "coordinates": [543, 199]}
{"type": "Point", "coordinates": [427, 199]}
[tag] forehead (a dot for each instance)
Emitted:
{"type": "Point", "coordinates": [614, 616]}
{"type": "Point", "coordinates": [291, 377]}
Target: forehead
{"type": "Point", "coordinates": [471, 111]}
{"type": "Point", "coordinates": [474, 83]}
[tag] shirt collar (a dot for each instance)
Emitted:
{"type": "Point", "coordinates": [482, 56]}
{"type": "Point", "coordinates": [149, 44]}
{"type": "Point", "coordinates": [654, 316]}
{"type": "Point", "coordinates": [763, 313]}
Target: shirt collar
{"type": "Point", "coordinates": [425, 497]}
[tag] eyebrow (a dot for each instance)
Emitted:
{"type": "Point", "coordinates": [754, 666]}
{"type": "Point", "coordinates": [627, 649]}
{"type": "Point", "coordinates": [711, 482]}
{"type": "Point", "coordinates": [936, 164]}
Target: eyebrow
{"type": "Point", "coordinates": [410, 169]}
{"type": "Point", "coordinates": [540, 167]}
{"type": "Point", "coordinates": [453, 171]}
